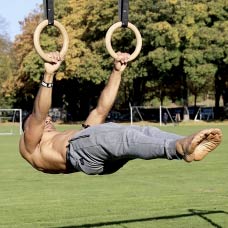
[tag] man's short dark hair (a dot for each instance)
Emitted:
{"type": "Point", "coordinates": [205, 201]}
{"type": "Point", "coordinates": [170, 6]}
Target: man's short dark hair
{"type": "Point", "coordinates": [24, 120]}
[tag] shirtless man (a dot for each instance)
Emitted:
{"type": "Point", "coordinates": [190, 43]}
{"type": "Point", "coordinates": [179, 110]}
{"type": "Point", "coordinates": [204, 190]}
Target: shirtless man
{"type": "Point", "coordinates": [102, 148]}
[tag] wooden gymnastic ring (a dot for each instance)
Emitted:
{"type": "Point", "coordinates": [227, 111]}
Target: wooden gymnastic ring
{"type": "Point", "coordinates": [36, 39]}
{"type": "Point", "coordinates": [109, 36]}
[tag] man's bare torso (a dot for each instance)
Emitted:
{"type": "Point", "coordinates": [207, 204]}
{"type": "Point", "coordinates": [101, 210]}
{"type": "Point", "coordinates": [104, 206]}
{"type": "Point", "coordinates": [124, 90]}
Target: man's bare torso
{"type": "Point", "coordinates": [49, 155]}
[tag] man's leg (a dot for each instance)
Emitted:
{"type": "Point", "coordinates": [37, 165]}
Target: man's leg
{"type": "Point", "coordinates": [137, 142]}
{"type": "Point", "coordinates": [154, 132]}
{"type": "Point", "coordinates": [151, 143]}
{"type": "Point", "coordinates": [106, 148]}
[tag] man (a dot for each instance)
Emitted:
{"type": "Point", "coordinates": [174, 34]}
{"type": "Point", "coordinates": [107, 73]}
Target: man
{"type": "Point", "coordinates": [165, 118]}
{"type": "Point", "coordinates": [101, 148]}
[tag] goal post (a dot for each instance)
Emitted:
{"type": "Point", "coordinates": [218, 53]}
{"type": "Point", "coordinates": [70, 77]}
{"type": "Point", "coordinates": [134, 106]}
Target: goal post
{"type": "Point", "coordinates": [134, 110]}
{"type": "Point", "coordinates": [10, 121]}
{"type": "Point", "coordinates": [165, 116]}
{"type": "Point", "coordinates": [137, 113]}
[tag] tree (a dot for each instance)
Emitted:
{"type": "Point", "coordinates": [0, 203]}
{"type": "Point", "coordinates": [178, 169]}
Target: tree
{"type": "Point", "coordinates": [6, 64]}
{"type": "Point", "coordinates": [184, 50]}
{"type": "Point", "coordinates": [183, 43]}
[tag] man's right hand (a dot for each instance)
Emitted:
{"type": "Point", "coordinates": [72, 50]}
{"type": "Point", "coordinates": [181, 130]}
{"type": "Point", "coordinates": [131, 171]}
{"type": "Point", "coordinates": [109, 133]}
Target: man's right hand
{"type": "Point", "coordinates": [52, 67]}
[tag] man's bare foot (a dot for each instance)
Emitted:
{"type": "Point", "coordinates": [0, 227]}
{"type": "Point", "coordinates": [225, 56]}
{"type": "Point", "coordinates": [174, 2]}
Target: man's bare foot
{"type": "Point", "coordinates": [197, 146]}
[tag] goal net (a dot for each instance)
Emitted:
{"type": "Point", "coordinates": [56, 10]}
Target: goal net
{"type": "Point", "coordinates": [10, 121]}
{"type": "Point", "coordinates": [167, 117]}
{"type": "Point", "coordinates": [204, 113]}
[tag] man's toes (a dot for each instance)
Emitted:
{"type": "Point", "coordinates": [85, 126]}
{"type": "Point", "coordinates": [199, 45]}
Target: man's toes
{"type": "Point", "coordinates": [216, 135]}
{"type": "Point", "coordinates": [213, 135]}
{"type": "Point", "coordinates": [207, 141]}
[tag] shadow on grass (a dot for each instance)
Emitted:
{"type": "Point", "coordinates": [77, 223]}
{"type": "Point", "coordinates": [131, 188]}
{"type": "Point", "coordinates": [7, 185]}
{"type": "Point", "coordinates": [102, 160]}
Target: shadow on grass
{"type": "Point", "coordinates": [200, 213]}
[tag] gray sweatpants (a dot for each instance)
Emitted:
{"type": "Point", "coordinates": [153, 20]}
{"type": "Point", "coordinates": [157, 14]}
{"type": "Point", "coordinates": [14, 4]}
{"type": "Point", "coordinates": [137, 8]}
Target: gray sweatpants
{"type": "Point", "coordinates": [105, 148]}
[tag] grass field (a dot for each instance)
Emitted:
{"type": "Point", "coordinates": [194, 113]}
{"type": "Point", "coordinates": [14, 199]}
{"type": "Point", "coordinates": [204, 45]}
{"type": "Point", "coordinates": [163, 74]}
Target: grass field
{"type": "Point", "coordinates": [156, 193]}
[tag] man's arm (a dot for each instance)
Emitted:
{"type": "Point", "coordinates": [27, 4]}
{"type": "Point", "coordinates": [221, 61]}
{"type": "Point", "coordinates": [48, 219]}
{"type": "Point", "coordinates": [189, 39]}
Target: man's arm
{"type": "Point", "coordinates": [35, 124]}
{"type": "Point", "coordinates": [109, 93]}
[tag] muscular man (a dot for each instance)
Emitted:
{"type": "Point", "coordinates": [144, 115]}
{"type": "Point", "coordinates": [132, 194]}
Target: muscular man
{"type": "Point", "coordinates": [101, 148]}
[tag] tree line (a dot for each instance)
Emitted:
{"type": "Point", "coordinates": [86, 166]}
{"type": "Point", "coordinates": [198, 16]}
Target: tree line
{"type": "Point", "coordinates": [185, 53]}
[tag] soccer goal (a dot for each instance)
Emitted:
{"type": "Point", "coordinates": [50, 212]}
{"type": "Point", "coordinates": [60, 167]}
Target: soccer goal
{"type": "Point", "coordinates": [10, 121]}
{"type": "Point", "coordinates": [155, 114]}
{"type": "Point", "coordinates": [135, 114]}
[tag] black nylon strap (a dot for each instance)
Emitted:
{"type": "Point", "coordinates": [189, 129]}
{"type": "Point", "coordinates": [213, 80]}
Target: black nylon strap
{"type": "Point", "coordinates": [123, 12]}
{"type": "Point", "coordinates": [49, 11]}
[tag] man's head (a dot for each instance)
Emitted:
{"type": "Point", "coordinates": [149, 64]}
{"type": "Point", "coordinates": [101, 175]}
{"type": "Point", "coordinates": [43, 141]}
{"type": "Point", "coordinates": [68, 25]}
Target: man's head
{"type": "Point", "coordinates": [48, 125]}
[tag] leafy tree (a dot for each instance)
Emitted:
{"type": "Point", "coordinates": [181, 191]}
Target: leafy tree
{"type": "Point", "coordinates": [6, 65]}
{"type": "Point", "coordinates": [184, 43]}
{"type": "Point", "coordinates": [184, 51]}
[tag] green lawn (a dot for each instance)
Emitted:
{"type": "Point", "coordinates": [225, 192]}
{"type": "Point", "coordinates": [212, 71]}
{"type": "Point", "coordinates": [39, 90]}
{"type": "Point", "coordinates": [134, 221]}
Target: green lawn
{"type": "Point", "coordinates": [156, 193]}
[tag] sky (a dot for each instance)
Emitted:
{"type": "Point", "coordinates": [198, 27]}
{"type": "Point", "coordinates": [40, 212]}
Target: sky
{"type": "Point", "coordinates": [14, 11]}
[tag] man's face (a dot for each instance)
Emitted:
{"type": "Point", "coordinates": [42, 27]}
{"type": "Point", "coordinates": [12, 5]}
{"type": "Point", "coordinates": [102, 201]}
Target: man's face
{"type": "Point", "coordinates": [49, 126]}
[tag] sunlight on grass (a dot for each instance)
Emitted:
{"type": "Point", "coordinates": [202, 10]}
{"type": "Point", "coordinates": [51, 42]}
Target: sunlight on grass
{"type": "Point", "coordinates": [156, 193]}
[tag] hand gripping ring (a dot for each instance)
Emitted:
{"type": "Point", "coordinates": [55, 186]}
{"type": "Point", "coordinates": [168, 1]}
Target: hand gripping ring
{"type": "Point", "coordinates": [36, 39]}
{"type": "Point", "coordinates": [109, 36]}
